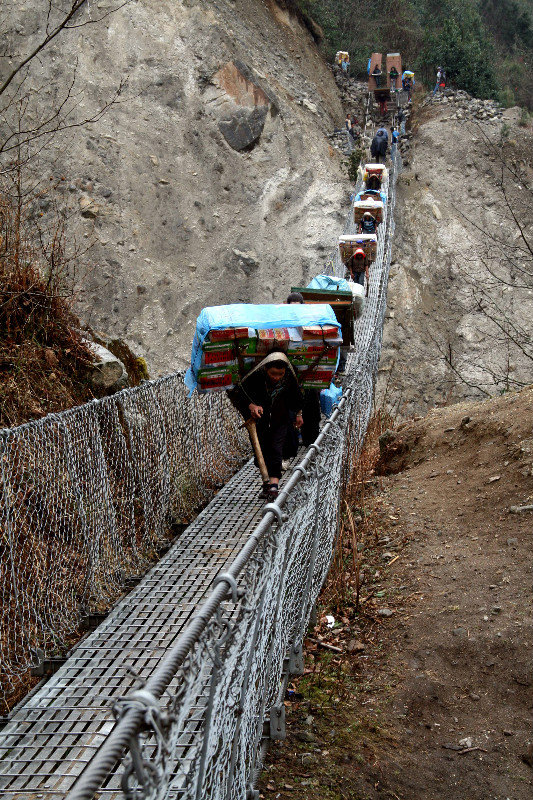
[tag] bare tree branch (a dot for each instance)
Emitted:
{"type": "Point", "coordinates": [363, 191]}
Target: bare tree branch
{"type": "Point", "coordinates": [75, 7]}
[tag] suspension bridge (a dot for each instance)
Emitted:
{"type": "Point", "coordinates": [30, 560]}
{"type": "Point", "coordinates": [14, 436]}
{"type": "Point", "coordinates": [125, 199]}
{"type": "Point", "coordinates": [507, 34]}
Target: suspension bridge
{"type": "Point", "coordinates": [177, 692]}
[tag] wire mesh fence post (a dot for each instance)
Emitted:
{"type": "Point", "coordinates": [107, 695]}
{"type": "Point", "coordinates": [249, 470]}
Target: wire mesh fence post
{"type": "Point", "coordinates": [244, 690]}
{"type": "Point", "coordinates": [216, 656]}
{"type": "Point", "coordinates": [296, 661]}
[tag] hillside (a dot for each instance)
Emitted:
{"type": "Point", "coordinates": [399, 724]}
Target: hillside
{"type": "Point", "coordinates": [426, 692]}
{"type": "Point", "coordinates": [459, 322]}
{"type": "Point", "coordinates": [208, 180]}
{"type": "Point", "coordinates": [486, 48]}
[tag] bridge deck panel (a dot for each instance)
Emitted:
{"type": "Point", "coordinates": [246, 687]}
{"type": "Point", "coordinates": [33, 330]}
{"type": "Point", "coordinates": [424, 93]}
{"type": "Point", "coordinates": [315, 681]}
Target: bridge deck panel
{"type": "Point", "coordinates": [53, 735]}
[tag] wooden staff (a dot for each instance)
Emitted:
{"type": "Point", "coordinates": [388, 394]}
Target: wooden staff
{"type": "Point", "coordinates": [252, 433]}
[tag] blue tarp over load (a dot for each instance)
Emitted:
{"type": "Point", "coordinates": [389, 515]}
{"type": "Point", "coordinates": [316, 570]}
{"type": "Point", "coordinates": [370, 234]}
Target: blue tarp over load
{"type": "Point", "coordinates": [329, 282]}
{"type": "Point", "coordinates": [374, 193]}
{"type": "Point", "coordinates": [242, 322]}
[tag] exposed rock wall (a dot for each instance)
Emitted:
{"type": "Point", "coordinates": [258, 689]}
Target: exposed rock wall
{"type": "Point", "coordinates": [211, 180]}
{"type": "Point", "coordinates": [454, 231]}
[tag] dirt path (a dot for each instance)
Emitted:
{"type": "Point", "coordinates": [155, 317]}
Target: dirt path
{"type": "Point", "coordinates": [429, 693]}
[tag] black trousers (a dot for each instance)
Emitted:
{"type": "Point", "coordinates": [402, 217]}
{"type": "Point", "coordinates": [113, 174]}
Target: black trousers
{"type": "Point", "coordinates": [272, 438]}
{"type": "Point", "coordinates": [311, 415]}
{"type": "Point", "coordinates": [311, 427]}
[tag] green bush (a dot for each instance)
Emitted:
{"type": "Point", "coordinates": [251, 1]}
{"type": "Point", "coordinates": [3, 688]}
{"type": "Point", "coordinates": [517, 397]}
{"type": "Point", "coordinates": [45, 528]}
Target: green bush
{"type": "Point", "coordinates": [504, 132]}
{"type": "Point", "coordinates": [505, 97]}
{"type": "Point", "coordinates": [525, 118]}
{"type": "Point", "coordinates": [351, 163]}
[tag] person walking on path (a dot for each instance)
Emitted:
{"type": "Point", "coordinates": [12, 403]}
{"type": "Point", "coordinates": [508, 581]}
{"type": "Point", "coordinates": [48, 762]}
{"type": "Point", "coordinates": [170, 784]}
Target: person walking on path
{"type": "Point", "coordinates": [368, 223]}
{"type": "Point", "coordinates": [378, 148]}
{"type": "Point", "coordinates": [358, 267]}
{"type": "Point", "coordinates": [394, 75]}
{"type": "Point", "coordinates": [349, 123]}
{"type": "Point", "coordinates": [441, 80]}
{"type": "Point", "coordinates": [268, 395]}
{"type": "Point", "coordinates": [401, 120]}
{"type": "Point", "coordinates": [394, 141]}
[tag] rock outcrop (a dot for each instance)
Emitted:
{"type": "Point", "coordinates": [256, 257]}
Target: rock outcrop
{"type": "Point", "coordinates": [216, 147]}
{"type": "Point", "coordinates": [457, 264]}
{"type": "Point", "coordinates": [243, 103]}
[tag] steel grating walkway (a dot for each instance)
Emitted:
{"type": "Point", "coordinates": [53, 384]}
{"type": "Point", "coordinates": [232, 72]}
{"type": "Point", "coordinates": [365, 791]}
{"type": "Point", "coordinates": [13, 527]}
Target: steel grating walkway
{"type": "Point", "coordinates": [57, 730]}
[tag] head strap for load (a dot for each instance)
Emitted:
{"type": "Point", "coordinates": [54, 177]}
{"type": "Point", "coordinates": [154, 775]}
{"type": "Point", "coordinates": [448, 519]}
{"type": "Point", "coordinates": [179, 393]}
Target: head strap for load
{"type": "Point", "coordinates": [275, 356]}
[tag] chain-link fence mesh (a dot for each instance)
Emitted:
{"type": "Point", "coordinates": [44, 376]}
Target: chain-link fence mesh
{"type": "Point", "coordinates": [202, 738]}
{"type": "Point", "coordinates": [87, 498]}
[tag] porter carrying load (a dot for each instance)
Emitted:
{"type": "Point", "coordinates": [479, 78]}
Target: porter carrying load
{"type": "Point", "coordinates": [394, 70]}
{"type": "Point", "coordinates": [367, 242]}
{"type": "Point", "coordinates": [361, 207]}
{"type": "Point", "coordinates": [375, 72]}
{"type": "Point", "coordinates": [376, 170]}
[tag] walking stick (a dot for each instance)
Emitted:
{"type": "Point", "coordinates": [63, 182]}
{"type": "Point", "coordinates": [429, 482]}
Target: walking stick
{"type": "Point", "coordinates": [252, 433]}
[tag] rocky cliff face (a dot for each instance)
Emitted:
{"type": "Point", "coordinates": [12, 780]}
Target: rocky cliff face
{"type": "Point", "coordinates": [462, 276]}
{"type": "Point", "coordinates": [211, 180]}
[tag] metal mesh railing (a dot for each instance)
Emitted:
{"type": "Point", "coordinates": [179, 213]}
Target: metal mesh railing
{"type": "Point", "coordinates": [196, 728]}
{"type": "Point", "coordinates": [86, 500]}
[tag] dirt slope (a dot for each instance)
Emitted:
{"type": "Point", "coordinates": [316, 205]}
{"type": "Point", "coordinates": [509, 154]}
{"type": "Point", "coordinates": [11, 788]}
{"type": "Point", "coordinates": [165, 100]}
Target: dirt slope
{"type": "Point", "coordinates": [179, 219]}
{"type": "Point", "coordinates": [439, 346]}
{"type": "Point", "coordinates": [435, 698]}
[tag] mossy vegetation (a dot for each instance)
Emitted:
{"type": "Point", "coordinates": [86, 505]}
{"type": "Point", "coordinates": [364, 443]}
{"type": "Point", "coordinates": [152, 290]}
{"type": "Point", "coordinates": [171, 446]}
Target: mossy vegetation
{"type": "Point", "coordinates": [485, 47]}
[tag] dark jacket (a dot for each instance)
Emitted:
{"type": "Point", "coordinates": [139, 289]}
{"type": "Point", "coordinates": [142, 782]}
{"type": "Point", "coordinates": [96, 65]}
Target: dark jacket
{"type": "Point", "coordinates": [256, 388]}
{"type": "Point", "coordinates": [368, 226]}
{"type": "Point", "coordinates": [356, 265]}
{"type": "Point", "coordinates": [378, 146]}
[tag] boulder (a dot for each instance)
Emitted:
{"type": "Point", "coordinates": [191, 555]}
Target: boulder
{"type": "Point", "coordinates": [243, 128]}
{"type": "Point", "coordinates": [88, 207]}
{"type": "Point", "coordinates": [108, 371]}
{"type": "Point", "coordinates": [245, 101]}
{"type": "Point", "coordinates": [248, 262]}
{"type": "Point", "coordinates": [309, 105]}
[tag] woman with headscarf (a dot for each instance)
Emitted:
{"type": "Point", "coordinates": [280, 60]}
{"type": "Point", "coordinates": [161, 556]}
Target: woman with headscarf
{"type": "Point", "coordinates": [268, 394]}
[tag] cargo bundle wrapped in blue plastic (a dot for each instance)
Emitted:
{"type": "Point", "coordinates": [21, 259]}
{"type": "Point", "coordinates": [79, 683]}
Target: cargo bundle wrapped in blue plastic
{"type": "Point", "coordinates": [329, 398]}
{"type": "Point", "coordinates": [230, 340]}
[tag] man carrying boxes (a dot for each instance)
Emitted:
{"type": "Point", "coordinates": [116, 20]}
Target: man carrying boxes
{"type": "Point", "coordinates": [265, 354]}
{"type": "Point", "coordinates": [357, 253]}
{"type": "Point", "coordinates": [358, 267]}
{"type": "Point", "coordinates": [268, 394]}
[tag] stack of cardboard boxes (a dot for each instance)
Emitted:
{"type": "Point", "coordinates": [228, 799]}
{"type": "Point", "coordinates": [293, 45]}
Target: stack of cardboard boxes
{"type": "Point", "coordinates": [229, 354]}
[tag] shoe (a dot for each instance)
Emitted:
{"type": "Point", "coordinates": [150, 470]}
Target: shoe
{"type": "Point", "coordinates": [264, 490]}
{"type": "Point", "coordinates": [273, 491]}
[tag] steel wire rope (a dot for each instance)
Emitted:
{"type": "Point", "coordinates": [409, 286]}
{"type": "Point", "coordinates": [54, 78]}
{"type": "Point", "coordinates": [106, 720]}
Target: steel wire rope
{"type": "Point", "coordinates": [128, 443]}
{"type": "Point", "coordinates": [358, 394]}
